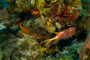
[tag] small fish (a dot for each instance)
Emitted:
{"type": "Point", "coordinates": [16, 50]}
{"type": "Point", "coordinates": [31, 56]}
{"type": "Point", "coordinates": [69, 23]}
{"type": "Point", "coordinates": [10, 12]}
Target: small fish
{"type": "Point", "coordinates": [18, 20]}
{"type": "Point", "coordinates": [88, 14]}
{"type": "Point", "coordinates": [27, 31]}
{"type": "Point", "coordinates": [21, 17]}
{"type": "Point", "coordinates": [65, 34]}
{"type": "Point", "coordinates": [35, 13]}
{"type": "Point", "coordinates": [24, 29]}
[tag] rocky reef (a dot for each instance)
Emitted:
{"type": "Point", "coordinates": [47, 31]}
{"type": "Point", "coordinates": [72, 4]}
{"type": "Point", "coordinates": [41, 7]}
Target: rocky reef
{"type": "Point", "coordinates": [44, 30]}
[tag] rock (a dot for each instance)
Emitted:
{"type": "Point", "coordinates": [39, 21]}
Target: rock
{"type": "Point", "coordinates": [3, 13]}
{"type": "Point", "coordinates": [2, 27]}
{"type": "Point", "coordinates": [86, 44]}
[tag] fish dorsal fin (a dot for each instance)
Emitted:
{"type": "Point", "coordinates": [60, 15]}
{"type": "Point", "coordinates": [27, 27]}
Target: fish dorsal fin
{"type": "Point", "coordinates": [24, 29]}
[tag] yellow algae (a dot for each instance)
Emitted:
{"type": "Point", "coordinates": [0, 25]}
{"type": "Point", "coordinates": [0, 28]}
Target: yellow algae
{"type": "Point", "coordinates": [53, 1]}
{"type": "Point", "coordinates": [76, 3]}
{"type": "Point", "coordinates": [48, 50]}
{"type": "Point", "coordinates": [56, 49]}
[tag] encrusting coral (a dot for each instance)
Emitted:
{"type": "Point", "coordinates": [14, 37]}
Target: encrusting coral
{"type": "Point", "coordinates": [58, 24]}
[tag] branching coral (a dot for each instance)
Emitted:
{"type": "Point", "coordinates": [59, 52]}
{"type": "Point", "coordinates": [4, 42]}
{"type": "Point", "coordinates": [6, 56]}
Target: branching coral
{"type": "Point", "coordinates": [47, 49]}
{"type": "Point", "coordinates": [40, 6]}
{"type": "Point", "coordinates": [23, 5]}
{"type": "Point", "coordinates": [19, 5]}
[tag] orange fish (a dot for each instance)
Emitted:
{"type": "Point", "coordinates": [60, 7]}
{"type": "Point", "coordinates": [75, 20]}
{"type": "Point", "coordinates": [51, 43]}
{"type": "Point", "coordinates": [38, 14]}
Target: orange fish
{"type": "Point", "coordinates": [65, 34]}
{"type": "Point", "coordinates": [18, 20]}
{"type": "Point", "coordinates": [24, 29]}
{"type": "Point", "coordinates": [27, 31]}
{"type": "Point", "coordinates": [36, 9]}
{"type": "Point", "coordinates": [35, 13]}
{"type": "Point", "coordinates": [88, 13]}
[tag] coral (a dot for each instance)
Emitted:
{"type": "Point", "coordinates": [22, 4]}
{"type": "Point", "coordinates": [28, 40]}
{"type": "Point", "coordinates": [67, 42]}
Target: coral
{"type": "Point", "coordinates": [2, 27]}
{"type": "Point", "coordinates": [76, 3]}
{"type": "Point", "coordinates": [47, 50]}
{"type": "Point", "coordinates": [43, 23]}
{"type": "Point", "coordinates": [11, 9]}
{"type": "Point", "coordinates": [33, 2]}
{"type": "Point", "coordinates": [85, 5]}
{"type": "Point", "coordinates": [83, 23]}
{"type": "Point", "coordinates": [3, 14]}
{"type": "Point", "coordinates": [40, 6]}
{"type": "Point", "coordinates": [28, 48]}
{"type": "Point", "coordinates": [23, 5]}
{"type": "Point", "coordinates": [43, 19]}
{"type": "Point", "coordinates": [19, 48]}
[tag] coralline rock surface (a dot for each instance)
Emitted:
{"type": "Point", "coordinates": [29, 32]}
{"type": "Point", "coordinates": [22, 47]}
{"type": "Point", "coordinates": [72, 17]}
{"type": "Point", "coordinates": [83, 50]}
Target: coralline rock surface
{"type": "Point", "coordinates": [2, 27]}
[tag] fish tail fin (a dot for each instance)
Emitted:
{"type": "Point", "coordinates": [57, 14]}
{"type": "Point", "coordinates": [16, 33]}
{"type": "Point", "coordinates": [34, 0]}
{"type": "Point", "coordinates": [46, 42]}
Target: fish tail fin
{"type": "Point", "coordinates": [48, 41]}
{"type": "Point", "coordinates": [55, 41]}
